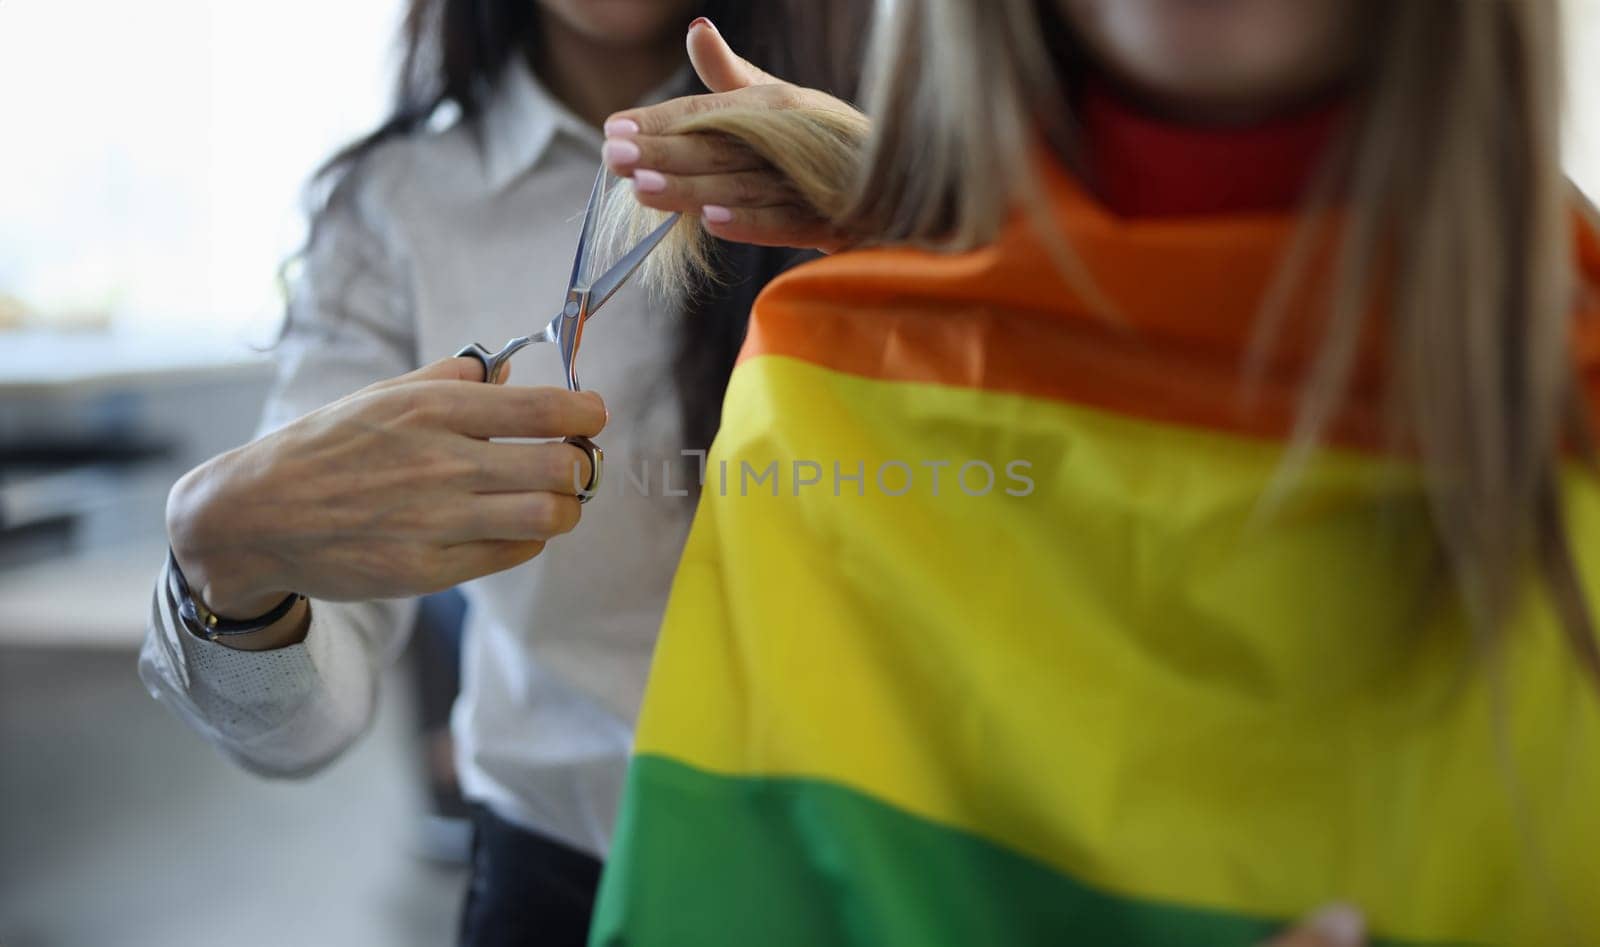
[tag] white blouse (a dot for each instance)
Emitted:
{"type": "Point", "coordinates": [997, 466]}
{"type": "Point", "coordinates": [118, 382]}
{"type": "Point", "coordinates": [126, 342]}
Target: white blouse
{"type": "Point", "coordinates": [447, 239]}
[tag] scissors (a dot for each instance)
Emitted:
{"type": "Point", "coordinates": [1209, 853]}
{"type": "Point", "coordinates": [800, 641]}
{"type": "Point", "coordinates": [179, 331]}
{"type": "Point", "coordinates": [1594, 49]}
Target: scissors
{"type": "Point", "coordinates": [584, 298]}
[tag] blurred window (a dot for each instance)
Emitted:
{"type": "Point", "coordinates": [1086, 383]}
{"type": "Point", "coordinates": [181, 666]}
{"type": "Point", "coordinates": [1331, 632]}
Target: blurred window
{"type": "Point", "coordinates": [1583, 94]}
{"type": "Point", "coordinates": [154, 152]}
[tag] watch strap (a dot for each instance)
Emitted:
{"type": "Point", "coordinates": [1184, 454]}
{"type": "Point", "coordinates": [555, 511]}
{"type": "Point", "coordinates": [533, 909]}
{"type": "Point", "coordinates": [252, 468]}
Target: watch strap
{"type": "Point", "coordinates": [205, 623]}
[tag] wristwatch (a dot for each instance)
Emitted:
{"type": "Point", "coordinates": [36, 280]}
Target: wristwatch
{"type": "Point", "coordinates": [207, 624]}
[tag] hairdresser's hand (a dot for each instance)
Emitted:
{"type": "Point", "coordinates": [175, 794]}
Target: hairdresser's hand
{"type": "Point", "coordinates": [738, 196]}
{"type": "Point", "coordinates": [393, 491]}
{"type": "Point", "coordinates": [1336, 925]}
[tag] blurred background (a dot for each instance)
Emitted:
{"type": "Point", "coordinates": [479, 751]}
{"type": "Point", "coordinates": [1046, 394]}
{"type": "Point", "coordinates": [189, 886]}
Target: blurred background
{"type": "Point", "coordinates": [152, 157]}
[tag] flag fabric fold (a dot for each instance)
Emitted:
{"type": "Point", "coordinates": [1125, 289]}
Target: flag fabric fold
{"type": "Point", "coordinates": [983, 634]}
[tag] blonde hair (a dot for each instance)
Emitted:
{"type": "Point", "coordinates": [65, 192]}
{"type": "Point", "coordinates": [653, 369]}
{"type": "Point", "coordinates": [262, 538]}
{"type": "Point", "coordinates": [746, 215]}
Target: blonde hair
{"type": "Point", "coordinates": [1455, 227]}
{"type": "Point", "coordinates": [817, 151]}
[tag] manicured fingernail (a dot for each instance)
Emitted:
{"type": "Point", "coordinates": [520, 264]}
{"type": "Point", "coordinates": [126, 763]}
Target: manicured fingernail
{"type": "Point", "coordinates": [1339, 924]}
{"type": "Point", "coordinates": [649, 182]}
{"type": "Point", "coordinates": [716, 214]}
{"type": "Point", "coordinates": [621, 128]}
{"type": "Point", "coordinates": [619, 151]}
{"type": "Point", "coordinates": [702, 21]}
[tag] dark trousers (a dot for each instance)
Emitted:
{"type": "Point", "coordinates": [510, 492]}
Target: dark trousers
{"type": "Point", "coordinates": [527, 890]}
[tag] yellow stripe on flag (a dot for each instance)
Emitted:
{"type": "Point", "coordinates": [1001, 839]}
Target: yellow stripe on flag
{"type": "Point", "coordinates": [1231, 708]}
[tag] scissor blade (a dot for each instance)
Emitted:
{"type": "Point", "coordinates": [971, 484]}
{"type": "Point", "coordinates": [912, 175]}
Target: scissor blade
{"type": "Point", "coordinates": [590, 213]}
{"type": "Point", "coordinates": [612, 280]}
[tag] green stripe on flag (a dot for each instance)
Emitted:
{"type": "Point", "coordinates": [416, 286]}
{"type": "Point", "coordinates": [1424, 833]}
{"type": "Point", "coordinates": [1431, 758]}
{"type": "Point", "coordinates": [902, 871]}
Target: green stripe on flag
{"type": "Point", "coordinates": [764, 861]}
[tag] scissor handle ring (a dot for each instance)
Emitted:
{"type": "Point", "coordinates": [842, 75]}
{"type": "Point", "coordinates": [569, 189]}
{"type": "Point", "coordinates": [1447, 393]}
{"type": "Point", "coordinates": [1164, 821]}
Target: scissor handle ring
{"type": "Point", "coordinates": [596, 457]}
{"type": "Point", "coordinates": [493, 362]}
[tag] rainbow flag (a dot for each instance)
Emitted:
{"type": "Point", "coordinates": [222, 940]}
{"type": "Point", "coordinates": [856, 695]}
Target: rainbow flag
{"type": "Point", "coordinates": [1080, 689]}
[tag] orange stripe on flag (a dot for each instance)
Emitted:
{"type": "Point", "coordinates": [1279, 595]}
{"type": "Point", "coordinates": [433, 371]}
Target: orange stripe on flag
{"type": "Point", "coordinates": [1186, 298]}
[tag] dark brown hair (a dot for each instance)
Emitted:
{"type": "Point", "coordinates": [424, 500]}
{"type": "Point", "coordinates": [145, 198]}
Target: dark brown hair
{"type": "Point", "coordinates": [455, 51]}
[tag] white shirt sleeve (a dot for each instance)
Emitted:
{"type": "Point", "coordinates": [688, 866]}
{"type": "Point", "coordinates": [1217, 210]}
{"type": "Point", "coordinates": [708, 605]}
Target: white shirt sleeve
{"type": "Point", "coordinates": [289, 711]}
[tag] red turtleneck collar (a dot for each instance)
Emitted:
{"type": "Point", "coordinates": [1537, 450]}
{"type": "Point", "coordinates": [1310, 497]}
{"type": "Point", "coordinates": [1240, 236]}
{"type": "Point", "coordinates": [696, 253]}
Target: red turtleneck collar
{"type": "Point", "coordinates": [1142, 166]}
